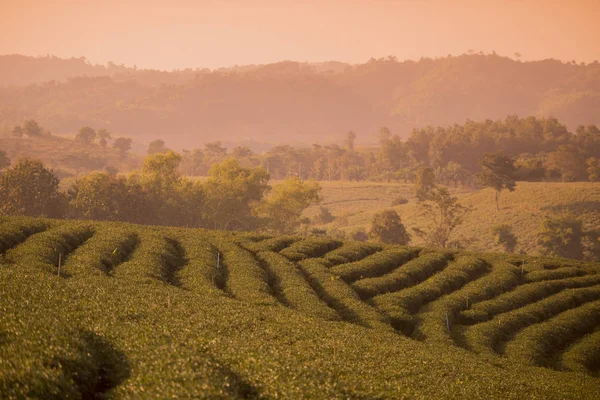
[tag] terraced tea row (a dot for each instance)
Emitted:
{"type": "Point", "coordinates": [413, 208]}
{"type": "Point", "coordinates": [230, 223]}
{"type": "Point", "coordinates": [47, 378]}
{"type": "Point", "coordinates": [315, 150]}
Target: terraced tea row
{"type": "Point", "coordinates": [532, 311]}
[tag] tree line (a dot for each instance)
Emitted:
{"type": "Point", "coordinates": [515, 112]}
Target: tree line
{"type": "Point", "coordinates": [233, 197]}
{"type": "Point", "coordinates": [543, 150]}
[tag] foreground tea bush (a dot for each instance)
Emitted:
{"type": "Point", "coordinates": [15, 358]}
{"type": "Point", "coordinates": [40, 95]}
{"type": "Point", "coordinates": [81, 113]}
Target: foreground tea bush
{"type": "Point", "coordinates": [149, 312]}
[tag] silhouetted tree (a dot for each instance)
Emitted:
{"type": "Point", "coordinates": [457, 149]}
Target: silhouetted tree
{"type": "Point", "coordinates": [387, 227]}
{"type": "Point", "coordinates": [498, 172]}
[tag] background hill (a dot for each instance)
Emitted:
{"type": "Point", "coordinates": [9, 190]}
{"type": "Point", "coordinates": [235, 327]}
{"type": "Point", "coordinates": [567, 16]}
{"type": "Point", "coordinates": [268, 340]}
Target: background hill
{"type": "Point", "coordinates": [292, 101]}
{"type": "Point", "coordinates": [354, 205]}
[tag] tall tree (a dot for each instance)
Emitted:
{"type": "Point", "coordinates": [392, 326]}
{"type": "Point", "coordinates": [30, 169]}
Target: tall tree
{"type": "Point", "coordinates": [232, 193]}
{"type": "Point", "coordinates": [157, 146]}
{"type": "Point", "coordinates": [103, 137]}
{"type": "Point", "coordinates": [30, 189]}
{"type": "Point", "coordinates": [443, 214]}
{"type": "Point", "coordinates": [86, 135]}
{"type": "Point", "coordinates": [498, 172]}
{"type": "Point", "coordinates": [349, 142]}
{"type": "Point", "coordinates": [123, 145]}
{"type": "Point", "coordinates": [424, 182]}
{"type": "Point", "coordinates": [283, 208]}
{"type": "Point", "coordinates": [31, 128]}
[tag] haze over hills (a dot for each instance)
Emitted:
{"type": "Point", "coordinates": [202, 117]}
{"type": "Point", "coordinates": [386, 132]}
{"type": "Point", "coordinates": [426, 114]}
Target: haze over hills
{"type": "Point", "coordinates": [291, 102]}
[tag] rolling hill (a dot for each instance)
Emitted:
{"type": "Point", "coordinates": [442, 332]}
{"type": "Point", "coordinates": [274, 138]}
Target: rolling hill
{"type": "Point", "coordinates": [524, 209]}
{"type": "Point", "coordinates": [290, 101]}
{"type": "Point", "coordinates": [107, 310]}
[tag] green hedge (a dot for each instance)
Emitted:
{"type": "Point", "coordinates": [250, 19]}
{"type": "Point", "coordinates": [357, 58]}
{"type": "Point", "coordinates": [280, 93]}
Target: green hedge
{"type": "Point", "coordinates": [374, 265]}
{"type": "Point", "coordinates": [406, 275]}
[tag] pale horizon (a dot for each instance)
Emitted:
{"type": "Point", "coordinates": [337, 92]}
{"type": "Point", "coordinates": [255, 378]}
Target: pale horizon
{"type": "Point", "coordinates": [211, 34]}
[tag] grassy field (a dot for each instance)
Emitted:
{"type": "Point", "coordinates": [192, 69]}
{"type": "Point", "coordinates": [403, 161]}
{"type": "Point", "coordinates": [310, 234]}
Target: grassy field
{"type": "Point", "coordinates": [107, 310]}
{"type": "Point", "coordinates": [355, 203]}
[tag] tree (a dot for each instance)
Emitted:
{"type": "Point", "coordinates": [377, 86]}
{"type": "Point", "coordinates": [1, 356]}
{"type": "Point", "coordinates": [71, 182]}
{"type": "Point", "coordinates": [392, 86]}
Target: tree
{"type": "Point", "coordinates": [157, 146]}
{"type": "Point", "coordinates": [4, 160]}
{"type": "Point", "coordinates": [562, 237]}
{"type": "Point", "coordinates": [424, 182]}
{"type": "Point", "coordinates": [123, 145]}
{"type": "Point", "coordinates": [103, 137]}
{"type": "Point", "coordinates": [283, 209]}
{"type": "Point", "coordinates": [17, 131]}
{"type": "Point", "coordinates": [387, 227]}
{"type": "Point", "coordinates": [593, 169]}
{"type": "Point", "coordinates": [98, 196]}
{"type": "Point", "coordinates": [31, 128]}
{"type": "Point", "coordinates": [160, 173]}
{"type": "Point", "coordinates": [86, 135]}
{"type": "Point", "coordinates": [241, 152]}
{"type": "Point", "coordinates": [498, 172]}
{"type": "Point", "coordinates": [444, 214]}
{"type": "Point", "coordinates": [349, 142]}
{"type": "Point", "coordinates": [232, 193]}
{"type": "Point", "coordinates": [30, 189]}
{"type": "Point", "coordinates": [569, 161]}
{"type": "Point", "coordinates": [504, 236]}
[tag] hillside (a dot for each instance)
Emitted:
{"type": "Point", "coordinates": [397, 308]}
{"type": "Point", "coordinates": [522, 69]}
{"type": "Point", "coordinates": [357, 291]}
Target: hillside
{"type": "Point", "coordinates": [307, 102]}
{"type": "Point", "coordinates": [524, 209]}
{"type": "Point", "coordinates": [106, 310]}
{"type": "Point", "coordinates": [68, 157]}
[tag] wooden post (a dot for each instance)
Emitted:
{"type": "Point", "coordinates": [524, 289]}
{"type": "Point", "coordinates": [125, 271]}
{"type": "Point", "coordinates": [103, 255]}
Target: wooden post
{"type": "Point", "coordinates": [447, 322]}
{"type": "Point", "coordinates": [59, 261]}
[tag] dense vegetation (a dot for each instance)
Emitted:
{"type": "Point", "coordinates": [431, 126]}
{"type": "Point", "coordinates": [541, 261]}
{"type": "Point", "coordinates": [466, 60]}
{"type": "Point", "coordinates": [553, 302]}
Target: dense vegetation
{"type": "Point", "coordinates": [108, 310]}
{"type": "Point", "coordinates": [305, 101]}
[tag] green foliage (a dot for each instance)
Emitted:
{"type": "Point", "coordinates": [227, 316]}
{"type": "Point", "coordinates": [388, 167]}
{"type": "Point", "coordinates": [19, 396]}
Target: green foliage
{"type": "Point", "coordinates": [387, 227]}
{"type": "Point", "coordinates": [504, 236]}
{"type": "Point", "coordinates": [593, 169]}
{"type": "Point", "coordinates": [122, 144]}
{"type": "Point", "coordinates": [154, 312]}
{"type": "Point", "coordinates": [86, 135]}
{"type": "Point", "coordinates": [30, 189]}
{"type": "Point", "coordinates": [157, 146]}
{"type": "Point", "coordinates": [4, 160]}
{"type": "Point", "coordinates": [498, 172]}
{"type": "Point", "coordinates": [444, 213]}
{"type": "Point", "coordinates": [424, 183]}
{"type": "Point", "coordinates": [562, 237]}
{"type": "Point", "coordinates": [232, 193]}
{"type": "Point", "coordinates": [283, 208]}
{"type": "Point", "coordinates": [31, 128]}
{"type": "Point", "coordinates": [103, 137]}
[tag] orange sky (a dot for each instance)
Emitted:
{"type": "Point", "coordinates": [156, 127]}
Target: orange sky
{"type": "Point", "coordinates": [204, 33]}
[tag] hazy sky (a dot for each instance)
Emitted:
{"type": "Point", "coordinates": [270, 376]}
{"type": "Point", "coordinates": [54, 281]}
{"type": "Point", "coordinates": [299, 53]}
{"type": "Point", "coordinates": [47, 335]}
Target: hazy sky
{"type": "Point", "coordinates": [204, 33]}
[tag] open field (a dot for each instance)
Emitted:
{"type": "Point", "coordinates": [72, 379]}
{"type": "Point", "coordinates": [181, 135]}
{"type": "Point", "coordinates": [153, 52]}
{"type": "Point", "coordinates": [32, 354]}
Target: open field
{"type": "Point", "coordinates": [524, 208]}
{"type": "Point", "coordinates": [107, 310]}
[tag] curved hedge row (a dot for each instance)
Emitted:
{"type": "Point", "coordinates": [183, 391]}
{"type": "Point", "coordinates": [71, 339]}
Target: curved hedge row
{"type": "Point", "coordinates": [432, 324]}
{"type": "Point", "coordinates": [109, 247]}
{"type": "Point", "coordinates": [491, 336]}
{"type": "Point", "coordinates": [583, 355]}
{"type": "Point", "coordinates": [401, 305]}
{"type": "Point", "coordinates": [374, 265]}
{"type": "Point", "coordinates": [351, 252]}
{"type": "Point", "coordinates": [523, 295]}
{"type": "Point", "coordinates": [296, 291]}
{"type": "Point", "coordinates": [409, 274]}
{"type": "Point", "coordinates": [14, 232]}
{"type": "Point", "coordinates": [46, 249]}
{"type": "Point", "coordinates": [538, 344]}
{"type": "Point", "coordinates": [339, 296]}
{"type": "Point", "coordinates": [311, 247]}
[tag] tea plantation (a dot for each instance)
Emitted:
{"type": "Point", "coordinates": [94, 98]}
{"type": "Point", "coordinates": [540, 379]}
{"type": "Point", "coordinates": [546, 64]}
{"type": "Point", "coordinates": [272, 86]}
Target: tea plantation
{"type": "Point", "coordinates": [107, 310]}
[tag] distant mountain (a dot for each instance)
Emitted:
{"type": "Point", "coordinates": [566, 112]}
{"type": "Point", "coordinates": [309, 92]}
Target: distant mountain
{"type": "Point", "coordinates": [290, 101]}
